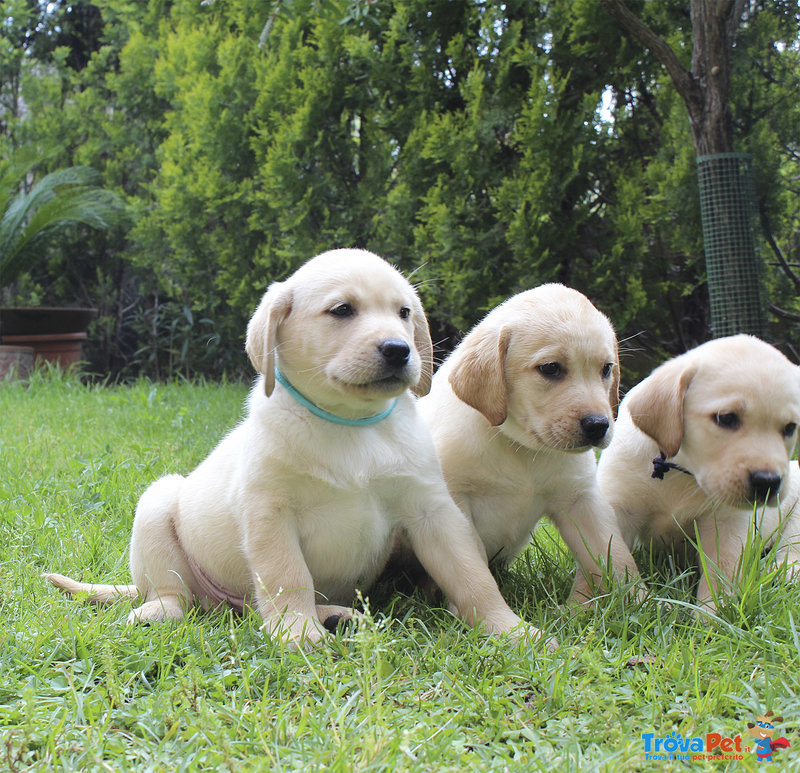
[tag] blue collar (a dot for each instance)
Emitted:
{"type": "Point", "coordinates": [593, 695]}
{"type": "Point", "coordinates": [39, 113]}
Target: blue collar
{"type": "Point", "coordinates": [327, 415]}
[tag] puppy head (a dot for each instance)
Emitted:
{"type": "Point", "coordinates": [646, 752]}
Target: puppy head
{"type": "Point", "coordinates": [346, 329]}
{"type": "Point", "coordinates": [731, 408]}
{"type": "Point", "coordinates": [545, 366]}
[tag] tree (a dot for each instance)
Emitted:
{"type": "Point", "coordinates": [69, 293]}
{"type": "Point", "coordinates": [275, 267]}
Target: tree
{"type": "Point", "coordinates": [474, 144]}
{"type": "Point", "coordinates": [705, 89]}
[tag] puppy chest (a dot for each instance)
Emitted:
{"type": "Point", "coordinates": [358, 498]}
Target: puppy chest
{"type": "Point", "coordinates": [343, 536]}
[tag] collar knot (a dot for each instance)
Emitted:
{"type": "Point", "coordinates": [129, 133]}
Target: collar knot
{"type": "Point", "coordinates": [661, 466]}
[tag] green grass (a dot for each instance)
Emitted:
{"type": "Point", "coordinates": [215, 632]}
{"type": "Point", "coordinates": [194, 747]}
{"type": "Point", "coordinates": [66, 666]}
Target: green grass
{"type": "Point", "coordinates": [406, 688]}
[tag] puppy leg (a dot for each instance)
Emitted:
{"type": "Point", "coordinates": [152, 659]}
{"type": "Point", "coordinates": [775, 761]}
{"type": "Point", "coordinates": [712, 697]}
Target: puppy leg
{"type": "Point", "coordinates": [721, 540]}
{"type": "Point", "coordinates": [590, 530]}
{"type": "Point", "coordinates": [158, 564]}
{"type": "Point", "coordinates": [284, 587]}
{"type": "Point", "coordinates": [788, 551]}
{"type": "Point", "coordinates": [449, 549]}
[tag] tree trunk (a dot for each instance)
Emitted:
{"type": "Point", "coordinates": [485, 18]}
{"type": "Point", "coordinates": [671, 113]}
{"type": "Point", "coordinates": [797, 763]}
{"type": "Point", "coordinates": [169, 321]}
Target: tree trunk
{"type": "Point", "coordinates": [709, 104]}
{"type": "Point", "coordinates": [728, 211]}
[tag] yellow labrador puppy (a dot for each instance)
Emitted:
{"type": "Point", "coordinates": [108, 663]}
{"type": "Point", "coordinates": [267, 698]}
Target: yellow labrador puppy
{"type": "Point", "coordinates": [703, 443]}
{"type": "Point", "coordinates": [515, 413]}
{"type": "Point", "coordinates": [297, 507]}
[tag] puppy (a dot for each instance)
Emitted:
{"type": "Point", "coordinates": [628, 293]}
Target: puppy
{"type": "Point", "coordinates": [297, 507]}
{"type": "Point", "coordinates": [515, 413]}
{"type": "Point", "coordinates": [703, 444]}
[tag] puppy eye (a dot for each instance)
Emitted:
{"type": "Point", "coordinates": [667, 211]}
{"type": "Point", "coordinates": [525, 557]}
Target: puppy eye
{"type": "Point", "coordinates": [405, 312]}
{"type": "Point", "coordinates": [342, 310]}
{"type": "Point", "coordinates": [608, 368]}
{"type": "Point", "coordinates": [789, 429]}
{"type": "Point", "coordinates": [550, 370]}
{"type": "Point", "coordinates": [727, 420]}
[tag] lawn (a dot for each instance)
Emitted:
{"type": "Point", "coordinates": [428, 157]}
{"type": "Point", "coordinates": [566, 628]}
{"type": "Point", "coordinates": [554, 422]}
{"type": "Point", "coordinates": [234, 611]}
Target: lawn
{"type": "Point", "coordinates": [407, 687]}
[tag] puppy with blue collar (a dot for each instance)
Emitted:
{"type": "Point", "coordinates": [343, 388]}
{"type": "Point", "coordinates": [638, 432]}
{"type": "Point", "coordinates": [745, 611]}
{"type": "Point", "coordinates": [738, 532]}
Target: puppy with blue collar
{"type": "Point", "coordinates": [299, 506]}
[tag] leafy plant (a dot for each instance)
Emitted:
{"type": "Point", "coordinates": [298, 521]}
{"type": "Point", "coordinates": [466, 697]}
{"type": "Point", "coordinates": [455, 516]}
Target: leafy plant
{"type": "Point", "coordinates": [30, 213]}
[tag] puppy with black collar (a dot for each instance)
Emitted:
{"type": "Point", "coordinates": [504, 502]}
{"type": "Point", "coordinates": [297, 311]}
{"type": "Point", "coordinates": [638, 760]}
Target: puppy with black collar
{"type": "Point", "coordinates": [702, 452]}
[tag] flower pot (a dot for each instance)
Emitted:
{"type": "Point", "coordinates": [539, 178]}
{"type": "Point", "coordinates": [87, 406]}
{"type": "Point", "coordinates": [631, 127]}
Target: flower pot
{"type": "Point", "coordinates": [56, 334]}
{"type": "Point", "coordinates": [15, 361]}
{"type": "Point", "coordinates": [63, 349]}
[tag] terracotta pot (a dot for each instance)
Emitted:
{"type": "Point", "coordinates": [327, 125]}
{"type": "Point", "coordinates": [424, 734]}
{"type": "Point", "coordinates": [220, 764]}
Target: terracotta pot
{"type": "Point", "coordinates": [16, 361]}
{"type": "Point", "coordinates": [55, 333]}
{"type": "Point", "coordinates": [63, 349]}
{"type": "Point", "coordinates": [39, 320]}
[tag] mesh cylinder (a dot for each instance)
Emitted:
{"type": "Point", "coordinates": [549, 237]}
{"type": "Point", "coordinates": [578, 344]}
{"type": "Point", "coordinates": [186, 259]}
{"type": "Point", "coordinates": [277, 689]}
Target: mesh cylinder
{"type": "Point", "coordinates": [729, 214]}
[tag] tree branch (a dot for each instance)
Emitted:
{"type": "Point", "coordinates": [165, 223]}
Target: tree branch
{"type": "Point", "coordinates": [784, 264]}
{"type": "Point", "coordinates": [636, 28]}
{"type": "Point", "coordinates": [783, 314]}
{"type": "Point", "coordinates": [734, 11]}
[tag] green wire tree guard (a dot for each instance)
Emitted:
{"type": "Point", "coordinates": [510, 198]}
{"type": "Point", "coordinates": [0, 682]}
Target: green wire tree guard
{"type": "Point", "coordinates": [729, 214]}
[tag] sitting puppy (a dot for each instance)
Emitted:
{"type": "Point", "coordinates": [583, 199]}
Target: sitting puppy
{"type": "Point", "coordinates": [297, 507]}
{"type": "Point", "coordinates": [515, 413]}
{"type": "Point", "coordinates": [725, 415]}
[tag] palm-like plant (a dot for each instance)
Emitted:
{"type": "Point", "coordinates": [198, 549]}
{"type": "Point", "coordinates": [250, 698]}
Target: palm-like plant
{"type": "Point", "coordinates": [27, 217]}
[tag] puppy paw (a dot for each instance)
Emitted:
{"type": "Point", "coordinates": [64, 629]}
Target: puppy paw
{"type": "Point", "coordinates": [531, 635]}
{"type": "Point", "coordinates": [296, 631]}
{"type": "Point", "coordinates": [518, 630]}
{"type": "Point", "coordinates": [332, 616]}
{"type": "Point", "coordinates": [158, 610]}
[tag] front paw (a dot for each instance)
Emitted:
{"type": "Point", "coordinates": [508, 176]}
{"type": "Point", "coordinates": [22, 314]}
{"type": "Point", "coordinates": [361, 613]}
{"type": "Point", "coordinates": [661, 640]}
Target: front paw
{"type": "Point", "coordinates": [530, 634]}
{"type": "Point", "coordinates": [332, 616]}
{"type": "Point", "coordinates": [518, 630]}
{"type": "Point", "coordinates": [295, 630]}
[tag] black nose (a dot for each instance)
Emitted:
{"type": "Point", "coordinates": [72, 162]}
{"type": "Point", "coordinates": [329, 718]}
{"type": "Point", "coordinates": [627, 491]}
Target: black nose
{"type": "Point", "coordinates": [764, 484]}
{"type": "Point", "coordinates": [594, 427]}
{"type": "Point", "coordinates": [395, 351]}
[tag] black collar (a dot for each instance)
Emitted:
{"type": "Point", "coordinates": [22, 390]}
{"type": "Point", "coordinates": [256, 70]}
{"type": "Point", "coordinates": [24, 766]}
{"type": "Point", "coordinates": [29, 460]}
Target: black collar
{"type": "Point", "coordinates": [661, 466]}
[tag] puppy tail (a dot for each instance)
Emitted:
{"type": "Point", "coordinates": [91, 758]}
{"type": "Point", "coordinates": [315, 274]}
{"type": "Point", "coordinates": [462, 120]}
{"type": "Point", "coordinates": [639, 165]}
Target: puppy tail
{"type": "Point", "coordinates": [98, 594]}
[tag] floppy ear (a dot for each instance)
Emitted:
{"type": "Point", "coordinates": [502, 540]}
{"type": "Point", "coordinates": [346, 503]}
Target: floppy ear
{"type": "Point", "coordinates": [424, 346]}
{"type": "Point", "coordinates": [262, 331]}
{"type": "Point", "coordinates": [613, 391]}
{"type": "Point", "coordinates": [656, 407]}
{"type": "Point", "coordinates": [479, 377]}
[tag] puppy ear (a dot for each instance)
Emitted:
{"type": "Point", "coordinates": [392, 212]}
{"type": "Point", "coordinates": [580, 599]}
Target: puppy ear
{"type": "Point", "coordinates": [262, 331]}
{"type": "Point", "coordinates": [478, 378]}
{"type": "Point", "coordinates": [424, 346]}
{"type": "Point", "coordinates": [613, 391]}
{"type": "Point", "coordinates": [656, 406]}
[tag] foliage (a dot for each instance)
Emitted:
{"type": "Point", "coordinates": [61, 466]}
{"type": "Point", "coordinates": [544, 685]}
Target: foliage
{"type": "Point", "coordinates": [60, 198]}
{"type": "Point", "coordinates": [482, 147]}
{"type": "Point", "coordinates": [408, 688]}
